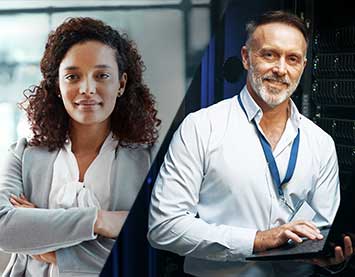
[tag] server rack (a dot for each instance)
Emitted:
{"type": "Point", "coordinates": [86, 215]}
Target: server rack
{"type": "Point", "coordinates": [326, 93]}
{"type": "Point", "coordinates": [329, 88]}
{"type": "Point", "coordinates": [333, 93]}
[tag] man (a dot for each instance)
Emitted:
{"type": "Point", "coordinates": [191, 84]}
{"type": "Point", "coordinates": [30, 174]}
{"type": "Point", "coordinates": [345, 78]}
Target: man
{"type": "Point", "coordinates": [236, 172]}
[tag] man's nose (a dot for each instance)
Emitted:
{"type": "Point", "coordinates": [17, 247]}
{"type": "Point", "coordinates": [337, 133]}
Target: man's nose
{"type": "Point", "coordinates": [280, 67]}
{"type": "Point", "coordinates": [88, 86]}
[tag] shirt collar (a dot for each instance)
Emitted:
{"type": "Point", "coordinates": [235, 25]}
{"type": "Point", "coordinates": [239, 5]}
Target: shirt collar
{"type": "Point", "coordinates": [255, 112]}
{"type": "Point", "coordinates": [252, 109]}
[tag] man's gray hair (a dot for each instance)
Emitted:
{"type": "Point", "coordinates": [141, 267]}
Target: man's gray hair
{"type": "Point", "coordinates": [276, 17]}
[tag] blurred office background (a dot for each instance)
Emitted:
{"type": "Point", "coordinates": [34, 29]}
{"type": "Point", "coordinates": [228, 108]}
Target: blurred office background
{"type": "Point", "coordinates": [171, 36]}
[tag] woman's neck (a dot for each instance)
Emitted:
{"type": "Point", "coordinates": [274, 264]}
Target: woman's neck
{"type": "Point", "coordinates": [88, 138]}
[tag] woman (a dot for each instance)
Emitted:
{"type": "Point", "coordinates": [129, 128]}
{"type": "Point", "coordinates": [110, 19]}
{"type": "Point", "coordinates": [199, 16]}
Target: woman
{"type": "Point", "coordinates": [65, 193]}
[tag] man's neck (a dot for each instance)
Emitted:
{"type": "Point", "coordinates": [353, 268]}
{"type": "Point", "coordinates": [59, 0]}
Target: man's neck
{"type": "Point", "coordinates": [273, 122]}
{"type": "Point", "coordinates": [275, 116]}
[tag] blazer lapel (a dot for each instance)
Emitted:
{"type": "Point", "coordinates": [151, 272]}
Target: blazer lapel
{"type": "Point", "coordinates": [129, 170]}
{"type": "Point", "coordinates": [37, 172]}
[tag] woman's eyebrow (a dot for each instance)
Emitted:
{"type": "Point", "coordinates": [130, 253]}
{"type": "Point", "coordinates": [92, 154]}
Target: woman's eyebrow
{"type": "Point", "coordinates": [73, 67]}
{"type": "Point", "coordinates": [103, 66]}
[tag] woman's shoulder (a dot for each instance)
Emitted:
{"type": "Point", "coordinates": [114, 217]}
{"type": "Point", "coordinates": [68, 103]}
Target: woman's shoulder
{"type": "Point", "coordinates": [23, 147]}
{"type": "Point", "coordinates": [135, 152]}
{"type": "Point", "coordinates": [19, 147]}
{"type": "Point", "coordinates": [141, 155]}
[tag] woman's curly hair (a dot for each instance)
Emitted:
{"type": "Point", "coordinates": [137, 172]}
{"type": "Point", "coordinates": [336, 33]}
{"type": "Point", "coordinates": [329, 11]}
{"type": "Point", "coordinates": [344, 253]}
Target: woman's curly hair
{"type": "Point", "coordinates": [133, 120]}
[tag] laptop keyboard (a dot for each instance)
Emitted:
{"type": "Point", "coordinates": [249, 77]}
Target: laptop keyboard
{"type": "Point", "coordinates": [307, 246]}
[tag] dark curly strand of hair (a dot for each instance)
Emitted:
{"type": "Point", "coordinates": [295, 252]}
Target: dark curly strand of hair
{"type": "Point", "coordinates": [134, 118]}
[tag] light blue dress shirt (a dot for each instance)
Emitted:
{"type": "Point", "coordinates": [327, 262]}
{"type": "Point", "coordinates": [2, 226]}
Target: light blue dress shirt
{"type": "Point", "coordinates": [214, 190]}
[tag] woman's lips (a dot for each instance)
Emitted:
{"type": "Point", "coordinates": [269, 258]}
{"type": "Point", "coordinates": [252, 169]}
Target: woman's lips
{"type": "Point", "coordinates": [87, 105]}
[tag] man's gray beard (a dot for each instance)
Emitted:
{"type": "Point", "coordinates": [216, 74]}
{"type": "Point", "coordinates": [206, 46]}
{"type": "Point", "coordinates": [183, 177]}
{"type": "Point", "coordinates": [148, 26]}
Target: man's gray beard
{"type": "Point", "coordinates": [271, 96]}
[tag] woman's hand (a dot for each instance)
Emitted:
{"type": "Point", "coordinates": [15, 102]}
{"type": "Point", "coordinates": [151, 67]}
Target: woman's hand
{"type": "Point", "coordinates": [21, 202]}
{"type": "Point", "coordinates": [49, 258]}
{"type": "Point", "coordinates": [109, 224]}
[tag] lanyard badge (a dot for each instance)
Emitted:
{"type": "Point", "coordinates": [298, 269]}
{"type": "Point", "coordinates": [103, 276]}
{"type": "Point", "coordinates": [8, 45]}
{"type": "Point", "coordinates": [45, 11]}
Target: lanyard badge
{"type": "Point", "coordinates": [271, 160]}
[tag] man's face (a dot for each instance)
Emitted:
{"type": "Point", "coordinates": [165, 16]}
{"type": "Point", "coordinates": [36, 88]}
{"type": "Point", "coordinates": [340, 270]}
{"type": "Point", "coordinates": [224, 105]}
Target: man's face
{"type": "Point", "coordinates": [275, 59]}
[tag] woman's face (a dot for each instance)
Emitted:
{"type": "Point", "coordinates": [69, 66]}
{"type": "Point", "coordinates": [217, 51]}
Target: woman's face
{"type": "Point", "coordinates": [89, 83]}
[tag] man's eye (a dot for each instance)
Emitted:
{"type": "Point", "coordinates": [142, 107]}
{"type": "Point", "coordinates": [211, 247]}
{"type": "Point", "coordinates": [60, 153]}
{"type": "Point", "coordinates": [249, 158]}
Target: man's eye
{"type": "Point", "coordinates": [268, 55]}
{"type": "Point", "coordinates": [293, 59]}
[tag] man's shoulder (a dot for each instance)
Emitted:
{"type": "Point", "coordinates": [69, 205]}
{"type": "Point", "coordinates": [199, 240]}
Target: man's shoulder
{"type": "Point", "coordinates": [208, 124]}
{"type": "Point", "coordinates": [214, 114]}
{"type": "Point", "coordinates": [314, 132]}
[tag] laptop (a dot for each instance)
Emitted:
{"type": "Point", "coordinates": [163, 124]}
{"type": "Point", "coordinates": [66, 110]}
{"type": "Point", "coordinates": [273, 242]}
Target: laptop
{"type": "Point", "coordinates": [344, 224]}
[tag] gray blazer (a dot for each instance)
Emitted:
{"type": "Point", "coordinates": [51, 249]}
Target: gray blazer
{"type": "Point", "coordinates": [69, 232]}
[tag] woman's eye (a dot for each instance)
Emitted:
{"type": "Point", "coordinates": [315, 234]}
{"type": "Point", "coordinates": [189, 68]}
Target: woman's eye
{"type": "Point", "coordinates": [104, 76]}
{"type": "Point", "coordinates": [71, 77]}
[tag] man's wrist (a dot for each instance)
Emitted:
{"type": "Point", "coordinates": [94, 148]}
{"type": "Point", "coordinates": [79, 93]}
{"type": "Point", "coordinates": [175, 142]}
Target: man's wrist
{"type": "Point", "coordinates": [258, 241]}
{"type": "Point", "coordinates": [337, 268]}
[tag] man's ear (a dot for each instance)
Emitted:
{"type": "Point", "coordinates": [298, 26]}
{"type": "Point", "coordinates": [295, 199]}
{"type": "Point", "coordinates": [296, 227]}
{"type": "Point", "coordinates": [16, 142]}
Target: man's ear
{"type": "Point", "coordinates": [304, 63]}
{"type": "Point", "coordinates": [245, 57]}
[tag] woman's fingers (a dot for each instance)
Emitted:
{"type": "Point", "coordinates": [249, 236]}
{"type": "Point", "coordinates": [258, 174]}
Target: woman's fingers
{"type": "Point", "coordinates": [38, 258]}
{"type": "Point", "coordinates": [14, 202]}
{"type": "Point", "coordinates": [21, 201]}
{"type": "Point", "coordinates": [49, 258]}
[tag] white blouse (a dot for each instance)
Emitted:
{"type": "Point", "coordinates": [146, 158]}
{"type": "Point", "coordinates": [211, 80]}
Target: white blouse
{"type": "Point", "coordinates": [67, 191]}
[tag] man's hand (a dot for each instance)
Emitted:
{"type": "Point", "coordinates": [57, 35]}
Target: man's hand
{"type": "Point", "coordinates": [278, 236]}
{"type": "Point", "coordinates": [109, 224]}
{"type": "Point", "coordinates": [49, 258]}
{"type": "Point", "coordinates": [21, 202]}
{"type": "Point", "coordinates": [340, 255]}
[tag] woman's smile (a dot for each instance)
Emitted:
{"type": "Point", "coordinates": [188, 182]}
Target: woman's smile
{"type": "Point", "coordinates": [88, 104]}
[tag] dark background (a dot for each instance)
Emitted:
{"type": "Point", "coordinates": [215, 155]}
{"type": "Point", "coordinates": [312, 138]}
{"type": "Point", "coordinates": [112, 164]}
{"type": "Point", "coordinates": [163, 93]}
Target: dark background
{"type": "Point", "coordinates": [326, 95]}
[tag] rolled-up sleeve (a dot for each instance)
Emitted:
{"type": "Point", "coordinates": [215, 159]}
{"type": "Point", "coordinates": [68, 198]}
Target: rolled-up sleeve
{"type": "Point", "coordinates": [36, 231]}
{"type": "Point", "coordinates": [173, 221]}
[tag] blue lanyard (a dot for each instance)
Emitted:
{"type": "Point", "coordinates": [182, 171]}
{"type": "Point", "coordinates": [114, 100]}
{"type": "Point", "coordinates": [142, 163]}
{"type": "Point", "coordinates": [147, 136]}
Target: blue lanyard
{"type": "Point", "coordinates": [270, 157]}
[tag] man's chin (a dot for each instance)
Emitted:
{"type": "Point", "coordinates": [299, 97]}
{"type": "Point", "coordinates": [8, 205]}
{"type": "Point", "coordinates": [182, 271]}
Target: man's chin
{"type": "Point", "coordinates": [273, 101]}
{"type": "Point", "coordinates": [274, 91]}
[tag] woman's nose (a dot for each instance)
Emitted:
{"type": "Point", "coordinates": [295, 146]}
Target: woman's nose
{"type": "Point", "coordinates": [87, 86]}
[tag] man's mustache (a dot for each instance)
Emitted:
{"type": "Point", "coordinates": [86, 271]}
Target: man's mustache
{"type": "Point", "coordinates": [277, 79]}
